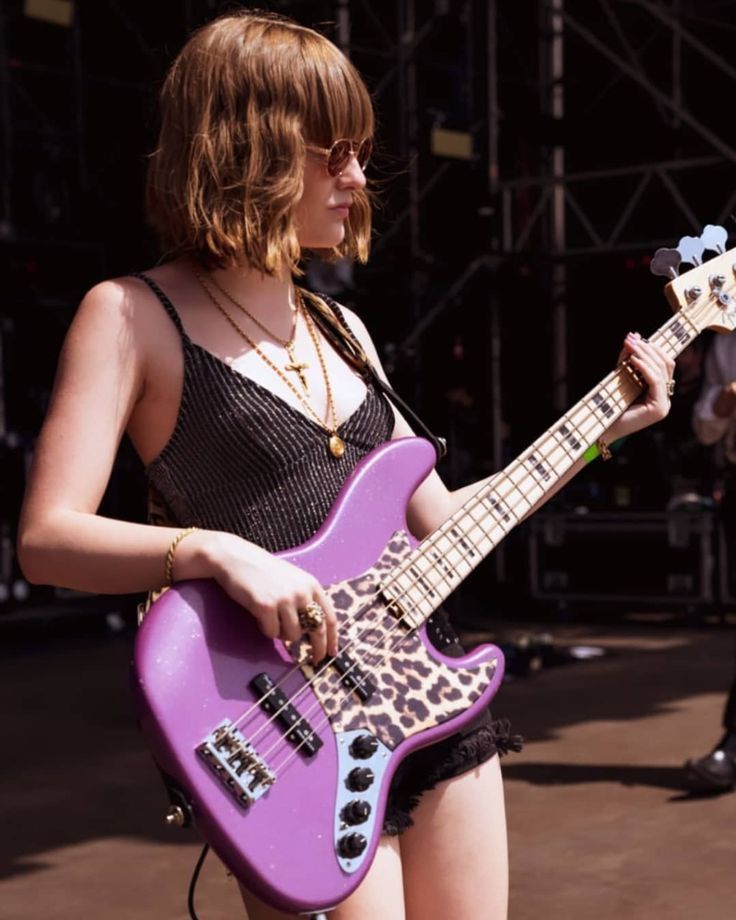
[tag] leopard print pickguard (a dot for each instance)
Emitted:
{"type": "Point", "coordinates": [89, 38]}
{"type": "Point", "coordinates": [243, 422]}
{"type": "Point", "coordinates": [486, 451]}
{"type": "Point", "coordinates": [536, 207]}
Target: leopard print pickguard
{"type": "Point", "coordinates": [413, 691]}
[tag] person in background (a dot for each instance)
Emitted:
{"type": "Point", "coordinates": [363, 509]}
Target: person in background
{"type": "Point", "coordinates": [714, 422]}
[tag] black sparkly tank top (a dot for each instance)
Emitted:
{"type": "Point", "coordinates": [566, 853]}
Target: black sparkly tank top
{"type": "Point", "coordinates": [243, 460]}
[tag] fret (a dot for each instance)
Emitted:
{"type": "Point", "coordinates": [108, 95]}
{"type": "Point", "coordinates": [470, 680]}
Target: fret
{"type": "Point", "coordinates": [457, 560]}
{"type": "Point", "coordinates": [568, 433]}
{"type": "Point", "coordinates": [422, 578]}
{"type": "Point", "coordinates": [479, 535]}
{"type": "Point", "coordinates": [602, 405]}
{"type": "Point", "coordinates": [497, 507]}
{"type": "Point", "coordinates": [684, 317]}
{"type": "Point", "coordinates": [437, 575]}
{"type": "Point", "coordinates": [679, 331]}
{"type": "Point", "coordinates": [463, 541]}
{"type": "Point", "coordinates": [538, 467]}
{"type": "Point", "coordinates": [556, 456]}
{"type": "Point", "coordinates": [516, 476]}
{"type": "Point", "coordinates": [670, 339]}
{"type": "Point", "coordinates": [526, 495]}
{"type": "Point", "coordinates": [447, 572]}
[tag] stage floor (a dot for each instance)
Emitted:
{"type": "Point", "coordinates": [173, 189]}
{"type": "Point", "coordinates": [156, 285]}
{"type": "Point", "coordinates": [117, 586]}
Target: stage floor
{"type": "Point", "coordinates": [598, 824]}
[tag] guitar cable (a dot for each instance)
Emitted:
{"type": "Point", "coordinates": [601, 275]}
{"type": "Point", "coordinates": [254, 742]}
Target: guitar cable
{"type": "Point", "coordinates": [193, 882]}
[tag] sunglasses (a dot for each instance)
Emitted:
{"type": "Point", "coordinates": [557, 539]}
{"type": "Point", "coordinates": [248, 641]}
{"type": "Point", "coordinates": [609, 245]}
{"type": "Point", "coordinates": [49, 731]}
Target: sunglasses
{"type": "Point", "coordinates": [338, 155]}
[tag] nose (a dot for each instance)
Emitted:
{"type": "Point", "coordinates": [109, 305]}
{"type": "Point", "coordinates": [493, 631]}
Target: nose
{"type": "Point", "coordinates": [352, 176]}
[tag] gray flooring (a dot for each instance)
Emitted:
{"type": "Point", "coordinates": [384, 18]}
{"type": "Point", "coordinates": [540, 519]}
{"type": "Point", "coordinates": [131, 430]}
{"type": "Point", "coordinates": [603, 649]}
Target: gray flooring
{"type": "Point", "coordinates": [599, 827]}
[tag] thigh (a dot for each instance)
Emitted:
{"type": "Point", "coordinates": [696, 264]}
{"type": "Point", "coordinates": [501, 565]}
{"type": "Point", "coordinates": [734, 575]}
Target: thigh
{"type": "Point", "coordinates": [455, 858]}
{"type": "Point", "coordinates": [381, 893]}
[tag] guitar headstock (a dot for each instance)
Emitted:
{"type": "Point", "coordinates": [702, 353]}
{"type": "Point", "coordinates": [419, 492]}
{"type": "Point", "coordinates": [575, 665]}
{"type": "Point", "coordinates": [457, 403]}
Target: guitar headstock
{"type": "Point", "coordinates": [707, 291]}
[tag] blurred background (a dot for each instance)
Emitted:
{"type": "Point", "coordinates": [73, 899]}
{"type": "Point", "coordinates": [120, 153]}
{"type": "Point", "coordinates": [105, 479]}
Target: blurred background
{"type": "Point", "coordinates": [532, 157]}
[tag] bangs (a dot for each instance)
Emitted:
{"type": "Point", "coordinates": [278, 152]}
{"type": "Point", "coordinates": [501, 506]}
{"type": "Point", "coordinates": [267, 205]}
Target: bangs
{"type": "Point", "coordinates": [338, 103]}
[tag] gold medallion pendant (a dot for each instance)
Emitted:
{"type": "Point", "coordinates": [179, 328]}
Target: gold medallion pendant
{"type": "Point", "coordinates": [337, 446]}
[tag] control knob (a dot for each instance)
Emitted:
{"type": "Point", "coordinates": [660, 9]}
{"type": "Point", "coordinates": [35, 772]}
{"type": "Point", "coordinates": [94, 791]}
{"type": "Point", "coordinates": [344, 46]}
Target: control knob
{"type": "Point", "coordinates": [351, 845]}
{"type": "Point", "coordinates": [356, 812]}
{"type": "Point", "coordinates": [364, 746]}
{"type": "Point", "coordinates": [360, 778]}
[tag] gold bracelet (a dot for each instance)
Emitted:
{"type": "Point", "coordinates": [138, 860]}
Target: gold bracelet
{"type": "Point", "coordinates": [172, 549]}
{"type": "Point", "coordinates": [603, 449]}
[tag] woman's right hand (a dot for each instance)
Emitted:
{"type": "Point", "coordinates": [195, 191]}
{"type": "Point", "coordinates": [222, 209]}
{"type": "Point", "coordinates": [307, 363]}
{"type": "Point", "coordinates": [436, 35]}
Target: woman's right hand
{"type": "Point", "coordinates": [271, 589]}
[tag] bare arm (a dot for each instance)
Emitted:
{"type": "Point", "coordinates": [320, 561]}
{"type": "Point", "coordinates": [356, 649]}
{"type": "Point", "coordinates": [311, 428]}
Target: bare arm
{"type": "Point", "coordinates": [100, 377]}
{"type": "Point", "coordinates": [62, 540]}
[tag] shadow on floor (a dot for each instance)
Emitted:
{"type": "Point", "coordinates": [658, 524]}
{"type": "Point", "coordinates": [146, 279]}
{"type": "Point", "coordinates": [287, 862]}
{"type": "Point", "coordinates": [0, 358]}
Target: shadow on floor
{"type": "Point", "coordinates": [564, 774]}
{"type": "Point", "coordinates": [79, 769]}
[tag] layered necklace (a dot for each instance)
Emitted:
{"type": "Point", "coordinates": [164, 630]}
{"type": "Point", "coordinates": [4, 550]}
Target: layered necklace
{"type": "Point", "coordinates": [335, 443]}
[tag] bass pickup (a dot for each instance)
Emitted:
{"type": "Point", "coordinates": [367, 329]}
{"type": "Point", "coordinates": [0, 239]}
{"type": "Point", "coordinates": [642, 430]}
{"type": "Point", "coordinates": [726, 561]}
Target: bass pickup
{"type": "Point", "coordinates": [298, 731]}
{"type": "Point", "coordinates": [352, 677]}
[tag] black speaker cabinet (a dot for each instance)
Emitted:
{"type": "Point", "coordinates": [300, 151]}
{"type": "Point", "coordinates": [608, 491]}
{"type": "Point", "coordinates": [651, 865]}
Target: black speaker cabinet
{"type": "Point", "coordinates": [663, 557]}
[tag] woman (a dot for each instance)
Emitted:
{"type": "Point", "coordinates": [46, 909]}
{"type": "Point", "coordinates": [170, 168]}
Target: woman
{"type": "Point", "coordinates": [248, 421]}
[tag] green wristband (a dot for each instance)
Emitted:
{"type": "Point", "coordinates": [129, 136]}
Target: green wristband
{"type": "Point", "coordinates": [591, 453]}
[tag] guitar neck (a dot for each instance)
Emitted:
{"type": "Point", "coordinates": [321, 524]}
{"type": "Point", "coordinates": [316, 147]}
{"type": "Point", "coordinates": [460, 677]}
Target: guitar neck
{"type": "Point", "coordinates": [448, 555]}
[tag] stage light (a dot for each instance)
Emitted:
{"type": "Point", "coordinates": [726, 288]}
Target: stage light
{"type": "Point", "coordinates": [57, 12]}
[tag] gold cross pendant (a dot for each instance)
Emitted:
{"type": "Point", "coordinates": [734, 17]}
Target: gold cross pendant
{"type": "Point", "coordinates": [299, 371]}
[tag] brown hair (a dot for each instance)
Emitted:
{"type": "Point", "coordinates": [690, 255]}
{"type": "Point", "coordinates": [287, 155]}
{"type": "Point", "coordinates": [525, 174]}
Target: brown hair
{"type": "Point", "coordinates": [241, 100]}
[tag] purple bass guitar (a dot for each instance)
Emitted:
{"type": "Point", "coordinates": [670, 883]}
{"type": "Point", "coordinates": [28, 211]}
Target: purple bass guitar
{"type": "Point", "coordinates": [286, 766]}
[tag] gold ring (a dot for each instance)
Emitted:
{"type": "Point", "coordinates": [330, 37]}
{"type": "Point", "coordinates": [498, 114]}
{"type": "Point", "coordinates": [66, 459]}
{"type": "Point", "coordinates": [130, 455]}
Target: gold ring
{"type": "Point", "coordinates": [670, 387]}
{"type": "Point", "coordinates": [311, 617]}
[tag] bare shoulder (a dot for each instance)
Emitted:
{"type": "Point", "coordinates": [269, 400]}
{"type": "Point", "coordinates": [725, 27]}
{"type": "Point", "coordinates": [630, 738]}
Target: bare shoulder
{"type": "Point", "coordinates": [122, 314]}
{"type": "Point", "coordinates": [361, 333]}
{"type": "Point", "coordinates": [111, 307]}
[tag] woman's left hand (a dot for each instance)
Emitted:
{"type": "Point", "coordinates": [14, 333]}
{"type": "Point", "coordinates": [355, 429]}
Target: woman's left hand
{"type": "Point", "coordinates": [657, 369]}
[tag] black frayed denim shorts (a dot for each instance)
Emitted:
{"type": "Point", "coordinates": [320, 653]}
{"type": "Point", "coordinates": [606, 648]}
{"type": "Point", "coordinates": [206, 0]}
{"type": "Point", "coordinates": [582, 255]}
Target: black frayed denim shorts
{"type": "Point", "coordinates": [477, 742]}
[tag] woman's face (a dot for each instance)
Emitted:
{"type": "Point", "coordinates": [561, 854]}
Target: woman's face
{"type": "Point", "coordinates": [322, 210]}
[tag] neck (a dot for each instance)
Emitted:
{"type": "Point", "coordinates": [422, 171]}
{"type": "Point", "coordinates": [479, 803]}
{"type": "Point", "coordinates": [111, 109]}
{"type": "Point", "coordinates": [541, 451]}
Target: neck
{"type": "Point", "coordinates": [268, 297]}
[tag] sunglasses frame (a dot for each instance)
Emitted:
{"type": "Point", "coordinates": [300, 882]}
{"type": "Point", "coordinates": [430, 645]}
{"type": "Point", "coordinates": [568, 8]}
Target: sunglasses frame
{"type": "Point", "coordinates": [355, 148]}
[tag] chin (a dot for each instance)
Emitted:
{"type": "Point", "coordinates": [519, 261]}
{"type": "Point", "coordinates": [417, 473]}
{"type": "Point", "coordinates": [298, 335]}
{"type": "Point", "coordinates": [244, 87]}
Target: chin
{"type": "Point", "coordinates": [324, 240]}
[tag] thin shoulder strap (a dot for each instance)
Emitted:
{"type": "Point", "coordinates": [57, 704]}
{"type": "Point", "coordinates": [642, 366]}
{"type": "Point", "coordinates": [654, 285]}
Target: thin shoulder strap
{"type": "Point", "coordinates": [331, 321]}
{"type": "Point", "coordinates": [165, 302]}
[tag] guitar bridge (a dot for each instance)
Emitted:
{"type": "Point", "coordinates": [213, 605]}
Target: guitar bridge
{"type": "Point", "coordinates": [236, 763]}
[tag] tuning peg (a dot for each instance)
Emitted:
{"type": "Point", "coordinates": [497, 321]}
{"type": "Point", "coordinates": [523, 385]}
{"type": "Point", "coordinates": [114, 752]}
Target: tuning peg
{"type": "Point", "coordinates": [691, 249]}
{"type": "Point", "coordinates": [714, 238]}
{"type": "Point", "coordinates": [665, 262]}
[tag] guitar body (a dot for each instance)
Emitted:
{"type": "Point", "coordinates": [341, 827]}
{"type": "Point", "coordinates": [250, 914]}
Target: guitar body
{"type": "Point", "coordinates": [290, 790]}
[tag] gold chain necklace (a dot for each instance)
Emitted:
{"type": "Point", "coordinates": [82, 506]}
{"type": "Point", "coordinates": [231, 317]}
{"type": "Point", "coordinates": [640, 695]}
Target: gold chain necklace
{"type": "Point", "coordinates": [336, 443]}
{"type": "Point", "coordinates": [294, 366]}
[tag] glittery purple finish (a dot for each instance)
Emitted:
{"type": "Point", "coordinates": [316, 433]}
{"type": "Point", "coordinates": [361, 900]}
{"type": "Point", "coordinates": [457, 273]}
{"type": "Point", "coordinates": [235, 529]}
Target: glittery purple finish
{"type": "Point", "coordinates": [195, 654]}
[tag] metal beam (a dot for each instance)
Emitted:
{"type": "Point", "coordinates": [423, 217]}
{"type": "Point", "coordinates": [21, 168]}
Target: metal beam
{"type": "Point", "coordinates": [659, 13]}
{"type": "Point", "coordinates": [587, 35]}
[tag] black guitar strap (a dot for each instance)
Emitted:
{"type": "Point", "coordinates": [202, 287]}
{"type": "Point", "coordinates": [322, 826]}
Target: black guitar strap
{"type": "Point", "coordinates": [321, 309]}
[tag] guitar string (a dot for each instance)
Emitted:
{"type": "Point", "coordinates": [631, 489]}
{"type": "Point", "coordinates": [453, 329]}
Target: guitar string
{"type": "Point", "coordinates": [617, 376]}
{"type": "Point", "coordinates": [282, 741]}
{"type": "Point", "coordinates": [240, 719]}
{"type": "Point", "coordinates": [614, 377]}
{"type": "Point", "coordinates": [478, 498]}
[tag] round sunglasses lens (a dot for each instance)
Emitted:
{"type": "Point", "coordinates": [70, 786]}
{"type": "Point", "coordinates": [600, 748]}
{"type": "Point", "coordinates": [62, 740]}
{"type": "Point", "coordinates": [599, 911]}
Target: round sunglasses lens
{"type": "Point", "coordinates": [364, 152]}
{"type": "Point", "coordinates": [339, 157]}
